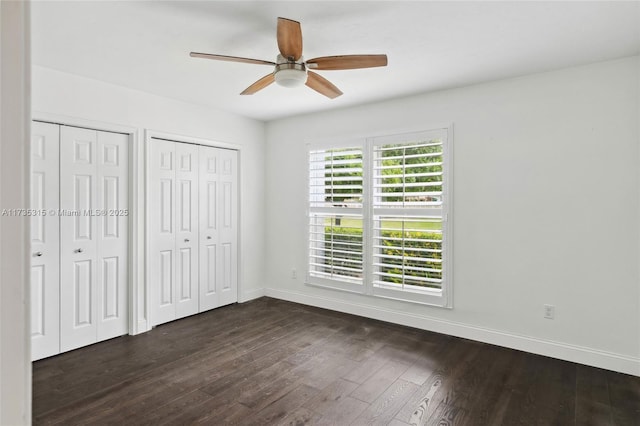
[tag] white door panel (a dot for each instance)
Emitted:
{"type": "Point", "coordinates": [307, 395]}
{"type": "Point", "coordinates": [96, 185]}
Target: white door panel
{"type": "Point", "coordinates": [218, 227]}
{"type": "Point", "coordinates": [161, 230]}
{"type": "Point", "coordinates": [228, 232]}
{"type": "Point", "coordinates": [45, 242]}
{"type": "Point", "coordinates": [112, 235]}
{"type": "Point", "coordinates": [186, 230]}
{"type": "Point", "coordinates": [209, 294]}
{"type": "Point", "coordinates": [78, 244]}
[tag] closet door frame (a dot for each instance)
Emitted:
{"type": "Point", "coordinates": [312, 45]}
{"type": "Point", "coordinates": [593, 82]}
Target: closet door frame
{"type": "Point", "coordinates": [135, 245]}
{"type": "Point", "coordinates": [152, 134]}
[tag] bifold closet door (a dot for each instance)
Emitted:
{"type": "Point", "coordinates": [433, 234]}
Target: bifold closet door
{"type": "Point", "coordinates": [186, 230]}
{"type": "Point", "coordinates": [93, 229]}
{"type": "Point", "coordinates": [228, 237]}
{"type": "Point", "coordinates": [173, 230]}
{"type": "Point", "coordinates": [45, 241]}
{"type": "Point", "coordinates": [218, 227]}
{"type": "Point", "coordinates": [161, 229]}
{"type": "Point", "coordinates": [193, 227]}
{"type": "Point", "coordinates": [113, 235]}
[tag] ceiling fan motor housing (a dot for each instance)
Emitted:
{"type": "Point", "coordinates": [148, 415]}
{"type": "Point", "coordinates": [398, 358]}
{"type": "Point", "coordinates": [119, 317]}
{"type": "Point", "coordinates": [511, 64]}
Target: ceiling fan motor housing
{"type": "Point", "coordinates": [290, 74]}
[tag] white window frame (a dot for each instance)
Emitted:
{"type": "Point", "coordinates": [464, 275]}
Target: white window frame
{"type": "Point", "coordinates": [436, 297]}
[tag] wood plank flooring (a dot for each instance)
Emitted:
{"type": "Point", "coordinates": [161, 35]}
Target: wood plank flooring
{"type": "Point", "coordinates": [274, 362]}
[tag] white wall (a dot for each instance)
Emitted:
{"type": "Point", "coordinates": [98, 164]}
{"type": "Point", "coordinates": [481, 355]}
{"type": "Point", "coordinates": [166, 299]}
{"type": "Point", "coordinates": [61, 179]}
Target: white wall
{"type": "Point", "coordinates": [76, 97]}
{"type": "Point", "coordinates": [15, 368]}
{"type": "Point", "coordinates": [546, 191]}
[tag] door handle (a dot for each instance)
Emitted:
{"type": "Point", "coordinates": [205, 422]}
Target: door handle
{"type": "Point", "coordinates": [37, 254]}
{"type": "Point", "coordinates": [208, 237]}
{"type": "Point", "coordinates": [78, 250]}
{"type": "Point", "coordinates": [186, 240]}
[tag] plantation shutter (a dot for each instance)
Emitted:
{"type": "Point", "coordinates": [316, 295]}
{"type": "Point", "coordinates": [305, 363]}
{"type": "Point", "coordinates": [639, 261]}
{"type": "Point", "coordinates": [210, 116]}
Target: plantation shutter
{"type": "Point", "coordinates": [407, 213]}
{"type": "Point", "coordinates": [378, 216]}
{"type": "Point", "coordinates": [335, 216]}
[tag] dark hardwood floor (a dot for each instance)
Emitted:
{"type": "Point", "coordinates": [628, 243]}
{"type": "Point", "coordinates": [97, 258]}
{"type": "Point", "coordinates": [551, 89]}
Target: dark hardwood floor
{"type": "Point", "coordinates": [274, 362]}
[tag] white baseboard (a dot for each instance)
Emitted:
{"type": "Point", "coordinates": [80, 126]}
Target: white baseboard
{"type": "Point", "coordinates": [567, 352]}
{"type": "Point", "coordinates": [251, 294]}
{"type": "Point", "coordinates": [140, 327]}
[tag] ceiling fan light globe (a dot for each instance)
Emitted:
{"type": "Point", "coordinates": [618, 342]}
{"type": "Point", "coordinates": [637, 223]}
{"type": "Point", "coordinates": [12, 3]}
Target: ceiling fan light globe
{"type": "Point", "coordinates": [291, 77]}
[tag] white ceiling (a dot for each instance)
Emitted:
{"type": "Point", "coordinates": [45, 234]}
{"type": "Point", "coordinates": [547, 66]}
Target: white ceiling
{"type": "Point", "coordinates": [145, 45]}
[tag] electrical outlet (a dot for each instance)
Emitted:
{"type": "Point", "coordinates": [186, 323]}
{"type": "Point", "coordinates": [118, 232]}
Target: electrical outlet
{"type": "Point", "coordinates": [549, 311]}
{"type": "Point", "coordinates": [294, 273]}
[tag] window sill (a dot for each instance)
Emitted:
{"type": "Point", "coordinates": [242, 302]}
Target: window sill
{"type": "Point", "coordinates": [434, 298]}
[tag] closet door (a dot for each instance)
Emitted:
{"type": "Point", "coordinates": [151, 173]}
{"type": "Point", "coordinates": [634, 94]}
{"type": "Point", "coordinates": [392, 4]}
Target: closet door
{"type": "Point", "coordinates": [218, 227]}
{"type": "Point", "coordinates": [209, 249]}
{"type": "Point", "coordinates": [192, 229]}
{"type": "Point", "coordinates": [78, 242]}
{"type": "Point", "coordinates": [227, 259]}
{"type": "Point", "coordinates": [45, 243]}
{"type": "Point", "coordinates": [93, 236]}
{"type": "Point", "coordinates": [161, 230]}
{"type": "Point", "coordinates": [186, 230]}
{"type": "Point", "coordinates": [112, 235]}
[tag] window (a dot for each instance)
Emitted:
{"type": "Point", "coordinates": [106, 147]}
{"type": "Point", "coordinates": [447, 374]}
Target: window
{"type": "Point", "coordinates": [378, 216]}
{"type": "Point", "coordinates": [336, 218]}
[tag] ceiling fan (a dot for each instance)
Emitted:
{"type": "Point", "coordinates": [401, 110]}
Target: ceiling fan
{"type": "Point", "coordinates": [291, 70]}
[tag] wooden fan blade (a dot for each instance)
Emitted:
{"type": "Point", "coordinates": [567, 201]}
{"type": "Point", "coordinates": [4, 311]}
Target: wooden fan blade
{"type": "Point", "coordinates": [322, 85]}
{"type": "Point", "coordinates": [289, 38]}
{"type": "Point", "coordinates": [347, 62]}
{"type": "Point", "coordinates": [230, 58]}
{"type": "Point", "coordinates": [259, 85]}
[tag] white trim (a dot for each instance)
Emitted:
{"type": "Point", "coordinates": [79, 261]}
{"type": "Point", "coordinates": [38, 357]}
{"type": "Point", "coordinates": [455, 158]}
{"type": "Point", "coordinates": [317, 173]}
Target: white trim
{"type": "Point", "coordinates": [190, 139]}
{"type": "Point", "coordinates": [335, 284]}
{"type": "Point", "coordinates": [368, 232]}
{"type": "Point", "coordinates": [425, 296]}
{"type": "Point", "coordinates": [66, 120]}
{"type": "Point", "coordinates": [342, 139]}
{"type": "Point", "coordinates": [137, 303]}
{"type": "Point", "coordinates": [15, 143]}
{"type": "Point", "coordinates": [251, 295]}
{"type": "Point", "coordinates": [447, 218]}
{"type": "Point", "coordinates": [334, 143]}
{"type": "Point", "coordinates": [574, 353]}
{"type": "Point", "coordinates": [154, 134]}
{"type": "Point", "coordinates": [401, 137]}
{"type": "Point", "coordinates": [144, 303]}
